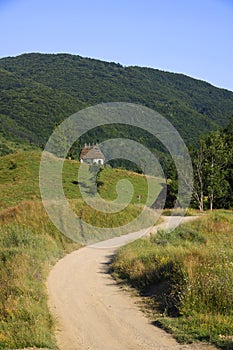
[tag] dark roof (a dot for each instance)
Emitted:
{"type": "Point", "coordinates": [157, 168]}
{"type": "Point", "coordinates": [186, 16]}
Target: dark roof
{"type": "Point", "coordinates": [91, 152]}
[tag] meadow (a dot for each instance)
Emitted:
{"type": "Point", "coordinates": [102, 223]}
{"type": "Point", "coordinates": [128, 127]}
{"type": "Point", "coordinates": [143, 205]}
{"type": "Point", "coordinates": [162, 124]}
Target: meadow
{"type": "Point", "coordinates": [186, 278]}
{"type": "Point", "coordinates": [30, 244]}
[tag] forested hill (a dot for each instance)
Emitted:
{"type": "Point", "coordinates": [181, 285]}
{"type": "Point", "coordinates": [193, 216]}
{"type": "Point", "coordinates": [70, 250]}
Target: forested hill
{"type": "Point", "coordinates": [37, 91]}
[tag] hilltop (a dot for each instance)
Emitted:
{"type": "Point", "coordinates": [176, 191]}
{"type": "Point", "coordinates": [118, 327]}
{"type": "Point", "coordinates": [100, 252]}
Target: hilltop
{"type": "Point", "coordinates": [38, 91]}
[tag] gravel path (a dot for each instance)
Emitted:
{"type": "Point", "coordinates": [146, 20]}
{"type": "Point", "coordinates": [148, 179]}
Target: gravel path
{"type": "Point", "coordinates": [93, 312]}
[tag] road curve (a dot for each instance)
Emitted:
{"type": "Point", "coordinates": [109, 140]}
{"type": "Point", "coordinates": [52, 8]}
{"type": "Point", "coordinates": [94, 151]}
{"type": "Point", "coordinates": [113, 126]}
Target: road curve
{"type": "Point", "coordinates": [94, 313]}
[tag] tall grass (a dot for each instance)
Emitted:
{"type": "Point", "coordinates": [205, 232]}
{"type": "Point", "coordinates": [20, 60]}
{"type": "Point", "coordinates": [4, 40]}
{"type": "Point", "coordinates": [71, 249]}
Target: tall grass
{"type": "Point", "coordinates": [188, 274]}
{"type": "Point", "coordinates": [29, 245]}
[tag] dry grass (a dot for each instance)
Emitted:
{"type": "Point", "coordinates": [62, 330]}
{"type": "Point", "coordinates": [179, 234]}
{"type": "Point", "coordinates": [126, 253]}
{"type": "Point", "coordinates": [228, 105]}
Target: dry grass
{"type": "Point", "coordinates": [30, 244]}
{"type": "Point", "coordinates": [194, 264]}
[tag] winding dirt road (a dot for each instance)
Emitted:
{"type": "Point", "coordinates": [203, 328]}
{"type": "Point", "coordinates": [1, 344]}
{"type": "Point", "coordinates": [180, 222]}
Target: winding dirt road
{"type": "Point", "coordinates": [93, 312]}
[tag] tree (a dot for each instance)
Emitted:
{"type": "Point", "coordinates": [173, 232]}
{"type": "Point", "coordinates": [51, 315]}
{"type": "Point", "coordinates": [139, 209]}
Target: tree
{"type": "Point", "coordinates": [227, 201]}
{"type": "Point", "coordinates": [215, 169]}
{"type": "Point", "coordinates": [198, 158]}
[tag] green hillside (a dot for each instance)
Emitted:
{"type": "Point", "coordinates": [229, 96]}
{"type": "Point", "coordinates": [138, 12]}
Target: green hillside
{"type": "Point", "coordinates": [19, 180]}
{"type": "Point", "coordinates": [37, 91]}
{"type": "Point", "coordinates": [30, 110]}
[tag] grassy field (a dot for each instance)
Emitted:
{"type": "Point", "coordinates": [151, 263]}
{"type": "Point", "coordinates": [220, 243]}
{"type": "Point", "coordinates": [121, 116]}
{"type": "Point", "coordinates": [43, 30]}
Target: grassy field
{"type": "Point", "coordinates": [109, 178]}
{"type": "Point", "coordinates": [19, 180]}
{"type": "Point", "coordinates": [186, 278]}
{"type": "Point", "coordinates": [30, 244]}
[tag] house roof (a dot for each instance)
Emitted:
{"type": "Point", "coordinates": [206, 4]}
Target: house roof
{"type": "Point", "coordinates": [91, 152]}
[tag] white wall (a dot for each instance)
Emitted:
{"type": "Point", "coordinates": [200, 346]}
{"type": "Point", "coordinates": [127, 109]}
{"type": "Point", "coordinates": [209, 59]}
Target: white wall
{"type": "Point", "coordinates": [98, 161]}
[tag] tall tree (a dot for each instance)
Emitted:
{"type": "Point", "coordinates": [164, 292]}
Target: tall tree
{"type": "Point", "coordinates": [198, 158]}
{"type": "Point", "coordinates": [215, 167]}
{"type": "Point", "coordinates": [228, 137]}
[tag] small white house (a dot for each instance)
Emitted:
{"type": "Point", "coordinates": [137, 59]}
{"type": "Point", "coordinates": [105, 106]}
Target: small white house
{"type": "Point", "coordinates": [91, 155]}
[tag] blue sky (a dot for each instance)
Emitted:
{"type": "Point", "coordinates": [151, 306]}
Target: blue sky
{"type": "Point", "coordinates": [194, 37]}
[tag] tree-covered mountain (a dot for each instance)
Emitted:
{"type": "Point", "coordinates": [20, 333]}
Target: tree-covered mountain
{"type": "Point", "coordinates": [37, 91]}
{"type": "Point", "coordinates": [30, 110]}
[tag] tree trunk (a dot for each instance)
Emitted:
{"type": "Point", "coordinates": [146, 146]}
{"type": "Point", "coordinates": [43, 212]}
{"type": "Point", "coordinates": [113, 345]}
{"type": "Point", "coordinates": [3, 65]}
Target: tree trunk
{"type": "Point", "coordinates": [201, 203]}
{"type": "Point", "coordinates": [211, 201]}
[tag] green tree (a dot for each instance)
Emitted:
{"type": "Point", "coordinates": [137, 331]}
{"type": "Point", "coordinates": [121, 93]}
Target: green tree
{"type": "Point", "coordinates": [215, 167]}
{"type": "Point", "coordinates": [227, 201]}
{"type": "Point", "coordinates": [198, 158]}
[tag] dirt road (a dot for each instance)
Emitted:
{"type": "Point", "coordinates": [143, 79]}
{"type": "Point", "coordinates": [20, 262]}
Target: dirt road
{"type": "Point", "coordinates": [93, 313]}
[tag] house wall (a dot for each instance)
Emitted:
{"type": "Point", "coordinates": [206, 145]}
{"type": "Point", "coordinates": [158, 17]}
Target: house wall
{"type": "Point", "coordinates": [98, 161]}
{"type": "Point", "coordinates": [93, 161]}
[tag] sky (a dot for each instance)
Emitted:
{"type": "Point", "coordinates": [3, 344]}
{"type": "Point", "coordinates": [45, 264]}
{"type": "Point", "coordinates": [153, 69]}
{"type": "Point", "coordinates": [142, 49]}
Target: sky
{"type": "Point", "coordinates": [193, 37]}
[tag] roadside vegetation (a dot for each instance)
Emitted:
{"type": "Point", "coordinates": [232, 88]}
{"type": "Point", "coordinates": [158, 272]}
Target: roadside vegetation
{"type": "Point", "coordinates": [29, 245]}
{"type": "Point", "coordinates": [186, 278]}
